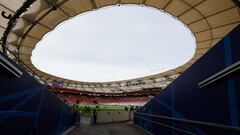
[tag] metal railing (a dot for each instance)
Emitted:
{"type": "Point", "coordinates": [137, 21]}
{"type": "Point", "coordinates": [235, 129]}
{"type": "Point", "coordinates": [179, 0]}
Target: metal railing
{"type": "Point", "coordinates": [186, 121]}
{"type": "Point", "coordinates": [28, 69]}
{"type": "Point", "coordinates": [219, 75]}
{"type": "Point", "coordinates": [167, 126]}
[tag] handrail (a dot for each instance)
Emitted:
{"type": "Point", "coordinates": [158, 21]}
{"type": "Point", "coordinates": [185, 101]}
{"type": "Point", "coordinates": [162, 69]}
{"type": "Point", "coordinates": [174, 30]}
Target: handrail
{"type": "Point", "coordinates": [230, 69]}
{"type": "Point", "coordinates": [167, 126]}
{"type": "Point", "coordinates": [10, 67]}
{"type": "Point", "coordinates": [18, 59]}
{"type": "Point", "coordinates": [207, 124]}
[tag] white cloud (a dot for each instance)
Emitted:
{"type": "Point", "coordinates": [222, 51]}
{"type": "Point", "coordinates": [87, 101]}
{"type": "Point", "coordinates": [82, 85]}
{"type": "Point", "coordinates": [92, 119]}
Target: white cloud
{"type": "Point", "coordinates": [115, 43]}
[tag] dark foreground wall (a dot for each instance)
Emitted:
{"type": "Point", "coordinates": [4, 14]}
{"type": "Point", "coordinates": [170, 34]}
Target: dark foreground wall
{"type": "Point", "coordinates": [26, 108]}
{"type": "Point", "coordinates": [183, 106]}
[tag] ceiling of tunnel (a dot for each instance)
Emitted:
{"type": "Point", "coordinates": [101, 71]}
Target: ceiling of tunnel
{"type": "Point", "coordinates": [209, 21]}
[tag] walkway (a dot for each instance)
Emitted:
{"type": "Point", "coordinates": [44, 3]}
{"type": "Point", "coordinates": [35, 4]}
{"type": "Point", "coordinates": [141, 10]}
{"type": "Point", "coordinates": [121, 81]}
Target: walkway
{"type": "Point", "coordinates": [108, 129]}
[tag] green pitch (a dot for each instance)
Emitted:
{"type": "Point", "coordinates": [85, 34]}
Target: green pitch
{"type": "Point", "coordinates": [87, 110]}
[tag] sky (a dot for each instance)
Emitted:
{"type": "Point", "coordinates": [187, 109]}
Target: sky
{"type": "Point", "coordinates": [114, 43]}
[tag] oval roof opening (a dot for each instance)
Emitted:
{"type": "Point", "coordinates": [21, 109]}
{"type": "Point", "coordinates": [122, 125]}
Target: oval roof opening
{"type": "Point", "coordinates": [115, 43]}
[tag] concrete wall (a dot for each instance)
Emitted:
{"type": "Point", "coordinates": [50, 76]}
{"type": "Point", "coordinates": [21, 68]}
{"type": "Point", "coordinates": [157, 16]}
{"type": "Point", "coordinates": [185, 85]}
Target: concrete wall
{"type": "Point", "coordinates": [114, 116]}
{"type": "Point", "coordinates": [86, 120]}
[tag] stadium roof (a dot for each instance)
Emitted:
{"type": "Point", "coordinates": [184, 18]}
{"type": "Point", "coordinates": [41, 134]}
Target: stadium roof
{"type": "Point", "coordinates": [23, 23]}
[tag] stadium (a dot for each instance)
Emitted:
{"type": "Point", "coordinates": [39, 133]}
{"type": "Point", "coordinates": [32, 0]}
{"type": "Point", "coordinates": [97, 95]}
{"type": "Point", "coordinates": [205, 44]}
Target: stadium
{"type": "Point", "coordinates": [199, 96]}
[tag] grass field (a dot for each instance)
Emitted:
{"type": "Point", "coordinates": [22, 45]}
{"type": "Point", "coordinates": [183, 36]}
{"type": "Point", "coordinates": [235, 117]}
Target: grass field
{"type": "Point", "coordinates": [87, 110]}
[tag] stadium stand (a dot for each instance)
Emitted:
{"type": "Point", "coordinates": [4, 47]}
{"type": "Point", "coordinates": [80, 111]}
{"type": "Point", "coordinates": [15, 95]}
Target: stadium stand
{"type": "Point", "coordinates": [144, 91]}
{"type": "Point", "coordinates": [73, 98]}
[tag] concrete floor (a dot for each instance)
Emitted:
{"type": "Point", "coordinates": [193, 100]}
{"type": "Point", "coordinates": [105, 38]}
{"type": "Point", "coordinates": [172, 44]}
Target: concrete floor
{"type": "Point", "coordinates": [126, 128]}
